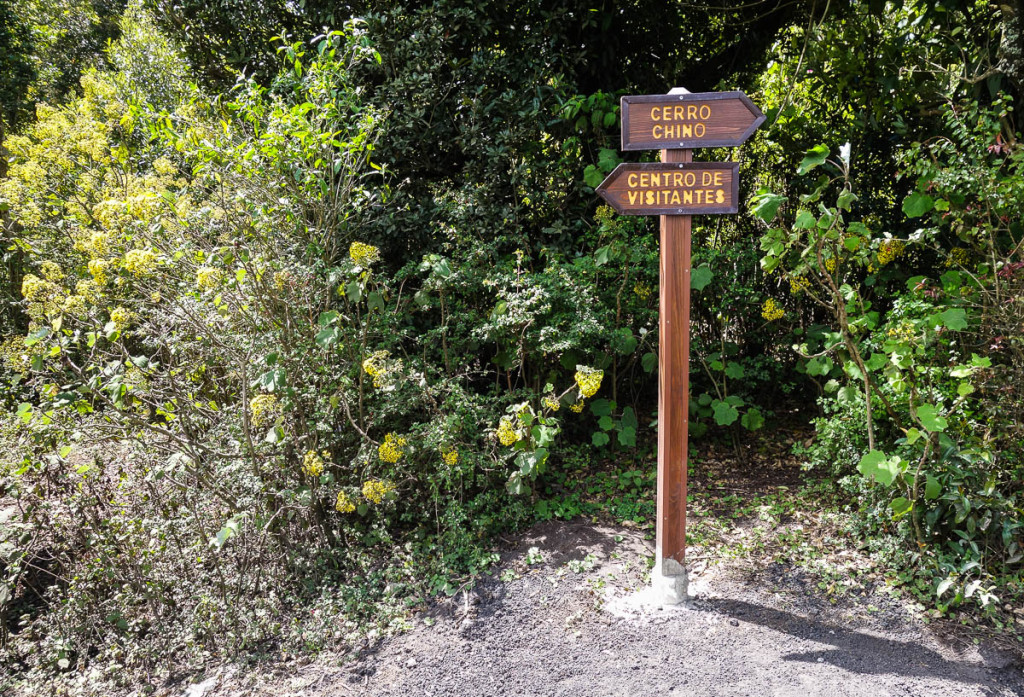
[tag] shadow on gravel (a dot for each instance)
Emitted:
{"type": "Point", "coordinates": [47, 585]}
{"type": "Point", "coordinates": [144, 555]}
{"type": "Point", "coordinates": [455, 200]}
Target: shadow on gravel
{"type": "Point", "coordinates": [857, 651]}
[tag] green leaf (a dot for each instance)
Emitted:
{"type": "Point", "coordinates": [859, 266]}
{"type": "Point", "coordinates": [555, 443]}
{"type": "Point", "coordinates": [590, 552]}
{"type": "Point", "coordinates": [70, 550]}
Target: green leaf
{"type": "Point", "coordinates": [846, 197]}
{"type": "Point", "coordinates": [917, 204]}
{"type": "Point", "coordinates": [875, 465]}
{"type": "Point", "coordinates": [649, 361]}
{"type": "Point", "coordinates": [933, 489]}
{"type": "Point", "coordinates": [912, 436]}
{"type": "Point", "coordinates": [606, 423]}
{"type": "Point", "coordinates": [734, 371]}
{"type": "Point", "coordinates": [752, 420]}
{"type": "Point", "coordinates": [954, 318]}
{"type": "Point", "coordinates": [900, 507]}
{"type": "Point", "coordinates": [600, 438]}
{"type": "Point", "coordinates": [964, 389]}
{"type": "Point", "coordinates": [805, 220]}
{"type": "Point", "coordinates": [327, 338]}
{"type": "Point", "coordinates": [600, 407]}
{"type": "Point", "coordinates": [629, 419]}
{"type": "Point", "coordinates": [814, 157]}
{"type": "Point", "coordinates": [602, 255]}
{"type": "Point", "coordinates": [700, 277]}
{"type": "Point", "coordinates": [725, 413]}
{"type": "Point", "coordinates": [593, 176]}
{"type": "Point", "coordinates": [354, 292]}
{"type": "Point", "coordinates": [766, 205]}
{"type": "Point", "coordinates": [944, 585]}
{"type": "Point", "coordinates": [627, 437]}
{"type": "Point", "coordinates": [25, 412]}
{"type": "Point", "coordinates": [852, 243]}
{"type": "Point", "coordinates": [930, 419]}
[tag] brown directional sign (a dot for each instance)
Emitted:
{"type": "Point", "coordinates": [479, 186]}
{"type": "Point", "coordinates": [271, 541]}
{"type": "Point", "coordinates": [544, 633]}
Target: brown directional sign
{"type": "Point", "coordinates": [691, 120]}
{"type": "Point", "coordinates": [662, 188]}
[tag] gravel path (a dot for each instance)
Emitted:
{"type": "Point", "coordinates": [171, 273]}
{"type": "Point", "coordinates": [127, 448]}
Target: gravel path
{"type": "Point", "coordinates": [563, 629]}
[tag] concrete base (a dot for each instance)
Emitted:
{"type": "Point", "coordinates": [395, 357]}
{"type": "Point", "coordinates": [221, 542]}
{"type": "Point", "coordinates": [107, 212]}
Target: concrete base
{"type": "Point", "coordinates": [669, 582]}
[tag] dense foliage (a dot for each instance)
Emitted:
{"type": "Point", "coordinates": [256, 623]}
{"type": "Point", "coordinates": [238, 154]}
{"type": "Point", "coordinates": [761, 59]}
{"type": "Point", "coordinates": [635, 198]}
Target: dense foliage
{"type": "Point", "coordinates": [296, 320]}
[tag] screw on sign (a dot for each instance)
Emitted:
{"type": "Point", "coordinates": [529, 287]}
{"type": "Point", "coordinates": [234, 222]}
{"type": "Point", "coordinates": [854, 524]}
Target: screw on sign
{"type": "Point", "coordinates": [675, 189]}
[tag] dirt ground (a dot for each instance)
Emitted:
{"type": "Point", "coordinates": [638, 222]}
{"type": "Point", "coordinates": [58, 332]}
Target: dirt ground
{"type": "Point", "coordinates": [559, 619]}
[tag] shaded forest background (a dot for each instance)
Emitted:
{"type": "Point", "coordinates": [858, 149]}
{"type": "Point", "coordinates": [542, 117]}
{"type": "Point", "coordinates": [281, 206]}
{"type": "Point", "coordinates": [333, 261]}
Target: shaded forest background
{"type": "Point", "coordinates": [304, 303]}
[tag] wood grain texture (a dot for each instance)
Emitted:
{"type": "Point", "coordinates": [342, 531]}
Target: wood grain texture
{"type": "Point", "coordinates": [725, 119]}
{"type": "Point", "coordinates": [673, 378]}
{"type": "Point", "coordinates": [682, 189]}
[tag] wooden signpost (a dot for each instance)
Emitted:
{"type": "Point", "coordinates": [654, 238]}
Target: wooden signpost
{"type": "Point", "coordinates": [675, 189]}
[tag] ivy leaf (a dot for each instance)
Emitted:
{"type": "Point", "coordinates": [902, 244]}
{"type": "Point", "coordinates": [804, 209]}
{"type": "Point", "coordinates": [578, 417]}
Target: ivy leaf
{"type": "Point", "coordinates": [725, 413]}
{"type": "Point", "coordinates": [805, 220]}
{"type": "Point", "coordinates": [734, 371]}
{"type": "Point", "coordinates": [752, 420]}
{"type": "Point", "coordinates": [700, 277]}
{"type": "Point", "coordinates": [766, 205]}
{"type": "Point", "coordinates": [814, 157]}
{"type": "Point", "coordinates": [930, 418]}
{"type": "Point", "coordinates": [593, 176]}
{"type": "Point", "coordinates": [627, 437]}
{"type": "Point", "coordinates": [900, 507]}
{"type": "Point", "coordinates": [875, 465]}
{"type": "Point", "coordinates": [917, 204]}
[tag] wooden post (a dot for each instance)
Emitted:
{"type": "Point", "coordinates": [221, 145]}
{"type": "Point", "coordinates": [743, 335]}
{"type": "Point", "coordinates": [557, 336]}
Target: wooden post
{"type": "Point", "coordinates": [673, 384]}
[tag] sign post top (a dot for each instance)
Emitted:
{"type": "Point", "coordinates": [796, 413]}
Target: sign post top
{"type": "Point", "coordinates": [680, 120]}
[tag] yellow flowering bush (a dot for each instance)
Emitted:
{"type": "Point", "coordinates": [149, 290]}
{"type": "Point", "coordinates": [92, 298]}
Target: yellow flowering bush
{"type": "Point", "coordinates": [798, 284]}
{"type": "Point", "coordinates": [51, 271]}
{"type": "Point", "coordinates": [889, 250]}
{"type": "Point", "coordinates": [379, 366]}
{"type": "Point", "coordinates": [552, 403]}
{"type": "Point", "coordinates": [588, 380]}
{"type": "Point", "coordinates": [771, 310]}
{"type": "Point", "coordinates": [958, 256]}
{"type": "Point", "coordinates": [98, 268]}
{"type": "Point", "coordinates": [121, 318]}
{"type": "Point", "coordinates": [140, 262]}
{"type": "Point", "coordinates": [344, 503]}
{"type": "Point", "coordinates": [363, 254]}
{"type": "Point", "coordinates": [376, 490]}
{"type": "Point", "coordinates": [265, 409]}
{"type": "Point", "coordinates": [507, 435]}
{"type": "Point", "coordinates": [208, 278]}
{"type": "Point", "coordinates": [313, 463]}
{"type": "Point", "coordinates": [450, 457]}
{"type": "Point", "coordinates": [391, 450]}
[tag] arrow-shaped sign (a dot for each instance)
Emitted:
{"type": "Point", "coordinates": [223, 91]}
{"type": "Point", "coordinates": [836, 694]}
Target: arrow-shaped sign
{"type": "Point", "coordinates": [691, 120]}
{"type": "Point", "coordinates": [662, 188]}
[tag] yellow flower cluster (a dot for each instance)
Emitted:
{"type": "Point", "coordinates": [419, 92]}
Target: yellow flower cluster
{"type": "Point", "coordinates": [90, 290]}
{"type": "Point", "coordinates": [577, 407]}
{"type": "Point", "coordinates": [798, 284]}
{"type": "Point", "coordinates": [51, 271]}
{"type": "Point", "coordinates": [380, 368]}
{"type": "Point", "coordinates": [313, 463]}
{"type": "Point", "coordinates": [376, 490]}
{"type": "Point", "coordinates": [265, 409]}
{"type": "Point", "coordinates": [391, 449]}
{"type": "Point", "coordinates": [552, 403]}
{"type": "Point", "coordinates": [904, 332]}
{"type": "Point", "coordinates": [588, 380]}
{"type": "Point", "coordinates": [75, 306]}
{"type": "Point", "coordinates": [207, 278]}
{"type": "Point", "coordinates": [958, 256]}
{"type": "Point", "coordinates": [450, 457]}
{"type": "Point", "coordinates": [121, 318]}
{"type": "Point", "coordinates": [889, 250]}
{"type": "Point", "coordinates": [344, 503]}
{"type": "Point", "coordinates": [363, 254]}
{"type": "Point", "coordinates": [95, 245]}
{"type": "Point", "coordinates": [98, 268]}
{"type": "Point", "coordinates": [771, 310]}
{"type": "Point", "coordinates": [281, 279]}
{"type": "Point", "coordinates": [642, 290]}
{"type": "Point", "coordinates": [830, 265]}
{"type": "Point", "coordinates": [140, 262]}
{"type": "Point", "coordinates": [506, 434]}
